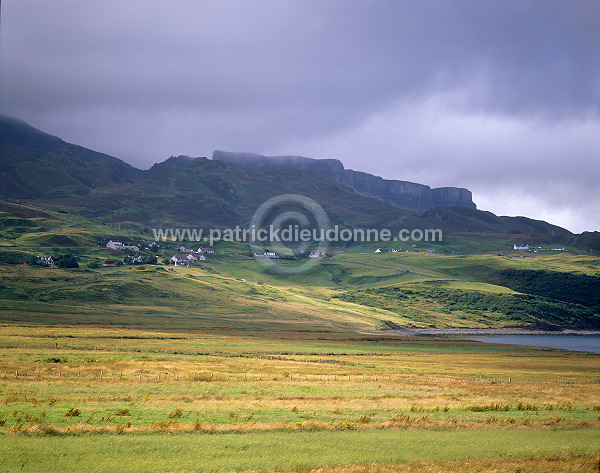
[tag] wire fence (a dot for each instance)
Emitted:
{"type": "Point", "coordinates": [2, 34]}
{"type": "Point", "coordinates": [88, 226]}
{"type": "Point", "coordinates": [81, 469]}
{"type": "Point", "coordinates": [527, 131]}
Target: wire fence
{"type": "Point", "coordinates": [410, 375]}
{"type": "Point", "coordinates": [167, 376]}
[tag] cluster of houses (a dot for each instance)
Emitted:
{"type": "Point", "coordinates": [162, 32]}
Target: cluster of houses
{"type": "Point", "coordinates": [273, 255]}
{"type": "Point", "coordinates": [192, 255]}
{"type": "Point", "coordinates": [185, 249]}
{"type": "Point", "coordinates": [189, 255]}
{"type": "Point", "coordinates": [185, 260]}
{"type": "Point", "coordinates": [45, 260]}
{"type": "Point", "coordinates": [526, 248]}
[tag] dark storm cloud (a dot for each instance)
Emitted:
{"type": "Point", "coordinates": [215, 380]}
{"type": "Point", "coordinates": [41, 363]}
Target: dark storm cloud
{"type": "Point", "coordinates": [437, 91]}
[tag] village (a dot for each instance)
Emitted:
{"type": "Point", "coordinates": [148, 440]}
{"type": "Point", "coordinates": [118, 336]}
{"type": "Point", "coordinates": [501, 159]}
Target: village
{"type": "Point", "coordinates": [150, 252]}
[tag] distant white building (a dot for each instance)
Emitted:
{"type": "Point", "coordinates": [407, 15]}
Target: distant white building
{"type": "Point", "coordinates": [378, 250]}
{"type": "Point", "coordinates": [266, 254]}
{"type": "Point", "coordinates": [208, 251]}
{"type": "Point", "coordinates": [521, 247]}
{"type": "Point", "coordinates": [191, 258]}
{"type": "Point", "coordinates": [185, 249]}
{"type": "Point", "coordinates": [114, 245]}
{"type": "Point", "coordinates": [44, 260]}
{"type": "Point", "coordinates": [558, 248]}
{"type": "Point", "coordinates": [179, 260]}
{"type": "Point", "coordinates": [316, 254]}
{"type": "Point", "coordinates": [118, 245]}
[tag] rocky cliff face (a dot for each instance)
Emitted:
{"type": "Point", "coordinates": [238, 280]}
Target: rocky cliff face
{"type": "Point", "coordinates": [404, 194]}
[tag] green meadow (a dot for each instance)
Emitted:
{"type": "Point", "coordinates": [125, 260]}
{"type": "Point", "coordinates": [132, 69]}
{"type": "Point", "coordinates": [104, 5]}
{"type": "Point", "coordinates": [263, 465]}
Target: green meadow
{"type": "Point", "coordinates": [223, 366]}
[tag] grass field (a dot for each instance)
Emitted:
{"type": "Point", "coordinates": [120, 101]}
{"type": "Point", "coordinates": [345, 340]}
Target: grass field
{"type": "Point", "coordinates": [88, 398]}
{"type": "Point", "coordinates": [225, 367]}
{"type": "Point", "coordinates": [298, 450]}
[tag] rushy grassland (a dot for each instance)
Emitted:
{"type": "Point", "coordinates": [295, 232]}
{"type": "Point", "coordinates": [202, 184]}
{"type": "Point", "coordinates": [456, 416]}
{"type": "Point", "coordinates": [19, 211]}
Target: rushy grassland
{"type": "Point", "coordinates": [116, 399]}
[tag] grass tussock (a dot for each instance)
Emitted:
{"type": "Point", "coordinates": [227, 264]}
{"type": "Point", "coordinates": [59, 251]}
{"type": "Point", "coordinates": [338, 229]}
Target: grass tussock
{"type": "Point", "coordinates": [521, 406]}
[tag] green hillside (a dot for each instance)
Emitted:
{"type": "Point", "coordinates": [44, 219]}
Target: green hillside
{"type": "Point", "coordinates": [36, 165]}
{"type": "Point", "coordinates": [77, 200]}
{"type": "Point", "coordinates": [463, 284]}
{"type": "Point", "coordinates": [200, 192]}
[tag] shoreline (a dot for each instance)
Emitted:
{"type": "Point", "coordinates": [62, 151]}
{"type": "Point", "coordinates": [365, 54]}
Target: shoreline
{"type": "Point", "coordinates": [417, 332]}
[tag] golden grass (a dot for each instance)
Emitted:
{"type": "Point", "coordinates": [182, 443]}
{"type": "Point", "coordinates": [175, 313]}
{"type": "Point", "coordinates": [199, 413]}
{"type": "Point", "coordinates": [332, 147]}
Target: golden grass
{"type": "Point", "coordinates": [221, 382]}
{"type": "Point", "coordinates": [401, 422]}
{"type": "Point", "coordinates": [565, 464]}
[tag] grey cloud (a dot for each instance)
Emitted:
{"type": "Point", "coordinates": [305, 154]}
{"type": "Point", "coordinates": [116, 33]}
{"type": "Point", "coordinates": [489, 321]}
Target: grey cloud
{"type": "Point", "coordinates": [146, 79]}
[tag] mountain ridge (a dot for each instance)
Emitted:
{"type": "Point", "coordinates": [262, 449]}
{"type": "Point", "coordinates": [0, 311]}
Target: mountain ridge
{"type": "Point", "coordinates": [189, 191]}
{"type": "Point", "coordinates": [404, 194]}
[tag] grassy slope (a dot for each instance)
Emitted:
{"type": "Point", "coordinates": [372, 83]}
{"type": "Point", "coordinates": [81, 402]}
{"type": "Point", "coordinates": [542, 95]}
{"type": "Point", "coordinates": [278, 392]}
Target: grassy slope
{"type": "Point", "coordinates": [217, 297]}
{"type": "Point", "coordinates": [276, 365]}
{"type": "Point", "coordinates": [193, 297]}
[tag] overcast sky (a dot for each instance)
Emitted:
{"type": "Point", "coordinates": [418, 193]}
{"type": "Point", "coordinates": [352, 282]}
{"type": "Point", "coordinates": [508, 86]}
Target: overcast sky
{"type": "Point", "coordinates": [501, 97]}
